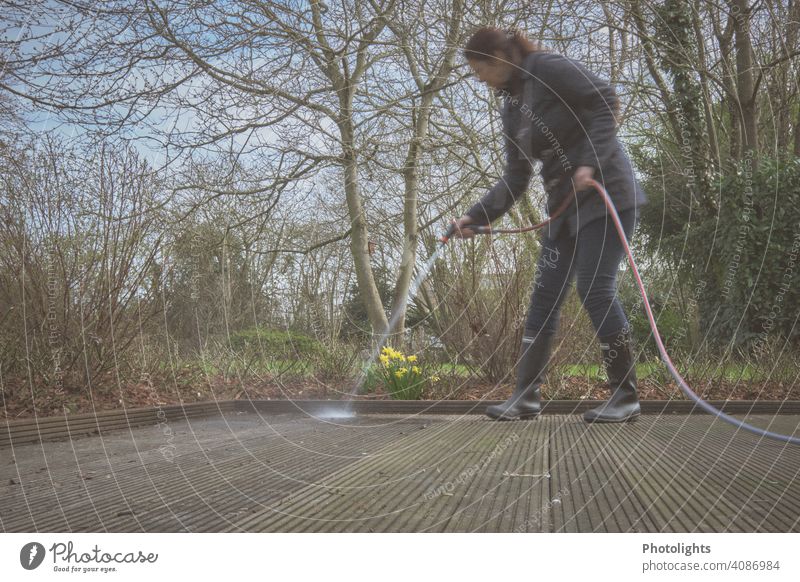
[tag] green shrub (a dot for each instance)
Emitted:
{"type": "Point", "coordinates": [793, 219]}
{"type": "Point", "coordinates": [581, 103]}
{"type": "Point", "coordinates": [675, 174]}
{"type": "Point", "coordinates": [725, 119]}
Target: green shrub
{"type": "Point", "coordinates": [737, 245]}
{"type": "Point", "coordinates": [672, 324]}
{"type": "Point", "coordinates": [276, 342]}
{"type": "Point", "coordinates": [335, 361]}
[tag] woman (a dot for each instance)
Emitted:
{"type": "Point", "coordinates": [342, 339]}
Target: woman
{"type": "Point", "coordinates": [558, 112]}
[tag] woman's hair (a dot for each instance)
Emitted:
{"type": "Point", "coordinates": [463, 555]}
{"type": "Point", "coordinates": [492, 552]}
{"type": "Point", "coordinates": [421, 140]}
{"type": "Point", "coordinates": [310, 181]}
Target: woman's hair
{"type": "Point", "coordinates": [483, 43]}
{"type": "Point", "coordinates": [488, 39]}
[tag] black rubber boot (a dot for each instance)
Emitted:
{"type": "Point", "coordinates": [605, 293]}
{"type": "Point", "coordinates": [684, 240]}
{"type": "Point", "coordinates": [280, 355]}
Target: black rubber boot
{"type": "Point", "coordinates": [525, 402]}
{"type": "Point", "coordinates": [623, 405]}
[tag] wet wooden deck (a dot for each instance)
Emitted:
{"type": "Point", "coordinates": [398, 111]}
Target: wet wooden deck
{"type": "Point", "coordinates": [248, 471]}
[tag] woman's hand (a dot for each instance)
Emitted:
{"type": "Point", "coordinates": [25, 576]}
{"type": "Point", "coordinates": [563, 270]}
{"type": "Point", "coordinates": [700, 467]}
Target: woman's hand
{"type": "Point", "coordinates": [581, 178]}
{"type": "Point", "coordinates": [460, 223]}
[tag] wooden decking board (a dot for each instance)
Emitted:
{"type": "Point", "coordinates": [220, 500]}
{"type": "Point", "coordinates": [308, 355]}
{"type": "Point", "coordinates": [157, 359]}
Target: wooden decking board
{"type": "Point", "coordinates": [170, 480]}
{"type": "Point", "coordinates": [247, 486]}
{"type": "Point", "coordinates": [151, 464]}
{"type": "Point", "coordinates": [246, 481]}
{"type": "Point", "coordinates": [610, 497]}
{"type": "Point", "coordinates": [625, 446]}
{"type": "Point", "coordinates": [520, 503]}
{"type": "Point", "coordinates": [733, 466]}
{"type": "Point", "coordinates": [467, 451]}
{"type": "Point", "coordinates": [636, 463]}
{"type": "Point", "coordinates": [410, 477]}
{"type": "Point", "coordinates": [645, 470]}
{"type": "Point", "coordinates": [235, 472]}
{"type": "Point", "coordinates": [600, 498]}
{"type": "Point", "coordinates": [460, 444]}
{"type": "Point", "coordinates": [355, 488]}
{"type": "Point", "coordinates": [329, 488]}
{"type": "Point", "coordinates": [566, 516]}
{"type": "Point", "coordinates": [122, 446]}
{"type": "Point", "coordinates": [464, 450]}
{"type": "Point", "coordinates": [111, 489]}
{"type": "Point", "coordinates": [633, 506]}
{"type": "Point", "coordinates": [54, 427]}
{"type": "Point", "coordinates": [743, 474]}
{"type": "Point", "coordinates": [508, 486]}
{"type": "Point", "coordinates": [696, 501]}
{"type": "Point", "coordinates": [570, 474]}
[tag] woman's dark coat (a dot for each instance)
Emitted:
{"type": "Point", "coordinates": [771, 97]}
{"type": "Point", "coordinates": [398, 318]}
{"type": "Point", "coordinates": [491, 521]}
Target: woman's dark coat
{"type": "Point", "coordinates": [564, 117]}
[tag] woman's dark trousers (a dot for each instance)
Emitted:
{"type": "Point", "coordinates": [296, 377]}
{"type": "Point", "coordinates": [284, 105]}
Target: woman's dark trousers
{"type": "Point", "coordinates": [592, 257]}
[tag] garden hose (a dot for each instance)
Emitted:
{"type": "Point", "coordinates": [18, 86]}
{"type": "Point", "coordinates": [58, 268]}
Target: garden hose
{"type": "Point", "coordinates": [489, 230]}
{"type": "Point", "coordinates": [662, 351]}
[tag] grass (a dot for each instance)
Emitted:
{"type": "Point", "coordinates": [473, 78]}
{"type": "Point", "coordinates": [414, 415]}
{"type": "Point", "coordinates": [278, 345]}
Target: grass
{"type": "Point", "coordinates": [452, 369]}
{"type": "Point", "coordinates": [593, 370]}
{"type": "Point", "coordinates": [730, 372]}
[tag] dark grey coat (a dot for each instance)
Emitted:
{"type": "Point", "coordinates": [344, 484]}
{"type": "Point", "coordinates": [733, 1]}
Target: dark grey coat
{"type": "Point", "coordinates": [564, 117]}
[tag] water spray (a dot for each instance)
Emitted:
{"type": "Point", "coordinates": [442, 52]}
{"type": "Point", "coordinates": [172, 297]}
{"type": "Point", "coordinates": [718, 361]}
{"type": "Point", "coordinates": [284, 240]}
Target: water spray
{"type": "Point", "coordinates": [662, 351]}
{"type": "Point", "coordinates": [334, 413]}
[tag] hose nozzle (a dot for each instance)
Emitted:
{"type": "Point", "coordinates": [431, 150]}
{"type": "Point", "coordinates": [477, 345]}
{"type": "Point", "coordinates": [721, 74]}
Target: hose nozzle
{"type": "Point", "coordinates": [452, 229]}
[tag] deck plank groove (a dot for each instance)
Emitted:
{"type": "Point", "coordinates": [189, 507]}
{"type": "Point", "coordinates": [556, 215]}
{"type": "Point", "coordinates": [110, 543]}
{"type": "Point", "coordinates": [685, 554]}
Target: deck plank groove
{"type": "Point", "coordinates": [242, 471]}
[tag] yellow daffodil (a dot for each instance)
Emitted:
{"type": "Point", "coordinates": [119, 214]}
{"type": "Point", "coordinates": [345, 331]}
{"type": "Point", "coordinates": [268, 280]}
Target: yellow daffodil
{"type": "Point", "coordinates": [415, 369]}
{"type": "Point", "coordinates": [393, 354]}
{"type": "Point", "coordinates": [412, 358]}
{"type": "Point", "coordinates": [434, 378]}
{"type": "Point", "coordinates": [384, 360]}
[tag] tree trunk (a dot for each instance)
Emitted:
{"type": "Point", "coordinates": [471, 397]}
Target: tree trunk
{"type": "Point", "coordinates": [411, 169]}
{"type": "Point", "coordinates": [359, 235]}
{"type": "Point", "coordinates": [707, 101]}
{"type": "Point", "coordinates": [730, 103]}
{"type": "Point", "coordinates": [792, 30]}
{"type": "Point", "coordinates": [745, 80]}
